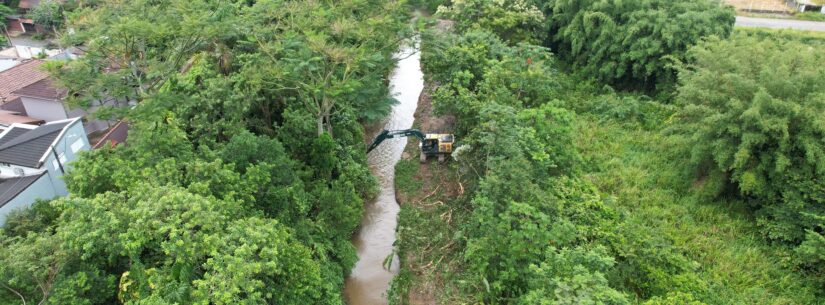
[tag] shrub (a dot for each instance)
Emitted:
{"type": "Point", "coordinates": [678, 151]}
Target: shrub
{"type": "Point", "coordinates": [753, 116]}
{"type": "Point", "coordinates": [513, 20]}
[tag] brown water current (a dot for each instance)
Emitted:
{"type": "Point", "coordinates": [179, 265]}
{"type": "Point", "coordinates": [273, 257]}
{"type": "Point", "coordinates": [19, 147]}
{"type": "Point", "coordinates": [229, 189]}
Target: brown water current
{"type": "Point", "coordinates": [377, 263]}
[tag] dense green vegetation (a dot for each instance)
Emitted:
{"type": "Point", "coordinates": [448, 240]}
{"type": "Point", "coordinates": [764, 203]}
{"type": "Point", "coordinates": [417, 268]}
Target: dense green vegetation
{"type": "Point", "coordinates": [578, 194]}
{"type": "Point", "coordinates": [626, 42]}
{"type": "Point", "coordinates": [753, 127]}
{"type": "Point", "coordinates": [526, 208]}
{"type": "Point", "coordinates": [623, 43]}
{"type": "Point", "coordinates": [245, 173]}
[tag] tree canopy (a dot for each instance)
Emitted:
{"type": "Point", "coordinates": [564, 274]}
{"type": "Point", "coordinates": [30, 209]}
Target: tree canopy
{"type": "Point", "coordinates": [229, 191]}
{"type": "Point", "coordinates": [628, 43]}
{"type": "Point", "coordinates": [753, 126]}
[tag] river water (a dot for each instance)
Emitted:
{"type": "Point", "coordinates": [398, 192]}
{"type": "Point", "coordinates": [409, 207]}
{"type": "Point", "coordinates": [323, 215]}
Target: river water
{"type": "Point", "coordinates": [370, 278]}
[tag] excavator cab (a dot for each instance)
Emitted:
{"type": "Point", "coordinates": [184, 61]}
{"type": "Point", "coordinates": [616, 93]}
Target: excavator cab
{"type": "Point", "coordinates": [435, 144]}
{"type": "Point", "coordinates": [432, 144]}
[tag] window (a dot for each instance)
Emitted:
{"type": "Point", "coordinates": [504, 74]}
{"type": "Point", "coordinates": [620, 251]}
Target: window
{"type": "Point", "coordinates": [77, 145]}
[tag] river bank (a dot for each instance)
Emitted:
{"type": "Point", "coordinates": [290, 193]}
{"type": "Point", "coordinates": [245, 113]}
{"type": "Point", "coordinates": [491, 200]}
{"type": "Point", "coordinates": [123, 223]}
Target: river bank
{"type": "Point", "coordinates": [429, 195]}
{"type": "Point", "coordinates": [377, 263]}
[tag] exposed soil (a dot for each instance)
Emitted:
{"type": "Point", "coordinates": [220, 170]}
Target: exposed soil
{"type": "Point", "coordinates": [433, 181]}
{"type": "Point", "coordinates": [438, 184]}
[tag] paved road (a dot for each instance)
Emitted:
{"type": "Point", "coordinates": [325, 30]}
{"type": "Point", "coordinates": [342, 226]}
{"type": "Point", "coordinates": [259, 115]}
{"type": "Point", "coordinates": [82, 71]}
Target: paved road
{"type": "Point", "coordinates": [28, 41]}
{"type": "Point", "coordinates": [780, 23]}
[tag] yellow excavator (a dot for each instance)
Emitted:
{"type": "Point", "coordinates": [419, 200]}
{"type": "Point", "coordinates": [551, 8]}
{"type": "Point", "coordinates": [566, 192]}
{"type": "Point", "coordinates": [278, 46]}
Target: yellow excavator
{"type": "Point", "coordinates": [432, 144]}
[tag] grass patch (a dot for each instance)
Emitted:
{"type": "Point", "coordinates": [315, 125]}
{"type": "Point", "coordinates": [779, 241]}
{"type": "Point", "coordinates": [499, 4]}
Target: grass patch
{"type": "Point", "coordinates": [809, 37]}
{"type": "Point", "coordinates": [405, 180]}
{"type": "Point", "coordinates": [639, 171]}
{"type": "Point", "coordinates": [810, 16]}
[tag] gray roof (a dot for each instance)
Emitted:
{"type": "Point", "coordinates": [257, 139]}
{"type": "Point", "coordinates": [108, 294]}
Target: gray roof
{"type": "Point", "coordinates": [13, 133]}
{"type": "Point", "coordinates": [61, 56]}
{"type": "Point", "coordinates": [10, 188]}
{"type": "Point", "coordinates": [27, 147]}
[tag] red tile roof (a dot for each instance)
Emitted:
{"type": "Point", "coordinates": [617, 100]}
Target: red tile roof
{"type": "Point", "coordinates": [31, 3]}
{"type": "Point", "coordinates": [42, 89]}
{"type": "Point", "coordinates": [19, 77]}
{"type": "Point", "coordinates": [28, 3]}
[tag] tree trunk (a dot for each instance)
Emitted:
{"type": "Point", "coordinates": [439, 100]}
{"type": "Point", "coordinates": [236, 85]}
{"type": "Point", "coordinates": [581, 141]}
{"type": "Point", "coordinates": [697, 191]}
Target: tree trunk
{"type": "Point", "coordinates": [320, 124]}
{"type": "Point", "coordinates": [328, 124]}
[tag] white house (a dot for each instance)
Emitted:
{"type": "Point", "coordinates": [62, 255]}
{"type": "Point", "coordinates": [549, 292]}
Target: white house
{"type": "Point", "coordinates": [34, 158]}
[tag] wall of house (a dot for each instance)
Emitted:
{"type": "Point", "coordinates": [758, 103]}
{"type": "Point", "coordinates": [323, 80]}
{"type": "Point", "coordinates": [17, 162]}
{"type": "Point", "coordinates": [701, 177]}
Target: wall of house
{"type": "Point", "coordinates": [72, 142]}
{"type": "Point", "coordinates": [15, 105]}
{"type": "Point", "coordinates": [49, 110]}
{"type": "Point", "coordinates": [40, 189]}
{"type": "Point", "coordinates": [67, 148]}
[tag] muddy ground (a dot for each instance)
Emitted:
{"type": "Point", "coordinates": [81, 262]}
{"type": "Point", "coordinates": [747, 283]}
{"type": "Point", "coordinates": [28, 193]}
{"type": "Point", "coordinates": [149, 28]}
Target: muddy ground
{"type": "Point", "coordinates": [439, 183]}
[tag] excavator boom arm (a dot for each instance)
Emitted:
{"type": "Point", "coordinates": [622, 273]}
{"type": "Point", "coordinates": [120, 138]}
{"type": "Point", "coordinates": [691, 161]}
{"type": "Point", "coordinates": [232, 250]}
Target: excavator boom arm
{"type": "Point", "coordinates": [391, 134]}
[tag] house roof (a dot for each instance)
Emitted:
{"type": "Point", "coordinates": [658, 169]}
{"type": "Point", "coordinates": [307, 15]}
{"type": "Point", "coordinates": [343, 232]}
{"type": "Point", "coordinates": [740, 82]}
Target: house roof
{"type": "Point", "coordinates": [28, 147]}
{"type": "Point", "coordinates": [7, 63]}
{"type": "Point", "coordinates": [42, 89]}
{"type": "Point", "coordinates": [10, 117]}
{"type": "Point", "coordinates": [11, 134]}
{"type": "Point", "coordinates": [28, 3]}
{"type": "Point", "coordinates": [32, 3]}
{"type": "Point", "coordinates": [10, 188]}
{"type": "Point", "coordinates": [18, 77]}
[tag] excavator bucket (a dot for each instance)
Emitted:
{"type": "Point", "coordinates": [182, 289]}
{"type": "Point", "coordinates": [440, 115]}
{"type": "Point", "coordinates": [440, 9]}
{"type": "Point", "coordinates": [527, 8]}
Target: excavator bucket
{"type": "Point", "coordinates": [380, 138]}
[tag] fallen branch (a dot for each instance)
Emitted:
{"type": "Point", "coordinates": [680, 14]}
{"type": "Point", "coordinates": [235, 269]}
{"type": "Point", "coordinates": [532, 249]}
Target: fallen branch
{"type": "Point", "coordinates": [433, 193]}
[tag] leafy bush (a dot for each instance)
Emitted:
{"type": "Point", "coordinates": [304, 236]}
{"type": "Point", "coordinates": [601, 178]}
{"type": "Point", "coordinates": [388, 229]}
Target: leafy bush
{"type": "Point", "coordinates": [572, 277]}
{"type": "Point", "coordinates": [528, 232]}
{"type": "Point", "coordinates": [513, 20]}
{"type": "Point", "coordinates": [752, 114]}
{"type": "Point", "coordinates": [626, 43]}
{"type": "Point", "coordinates": [429, 5]}
{"type": "Point", "coordinates": [477, 67]}
{"type": "Point", "coordinates": [48, 13]}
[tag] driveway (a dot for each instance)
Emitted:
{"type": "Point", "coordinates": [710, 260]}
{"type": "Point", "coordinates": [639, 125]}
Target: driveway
{"type": "Point", "coordinates": [780, 24]}
{"type": "Point", "coordinates": [24, 40]}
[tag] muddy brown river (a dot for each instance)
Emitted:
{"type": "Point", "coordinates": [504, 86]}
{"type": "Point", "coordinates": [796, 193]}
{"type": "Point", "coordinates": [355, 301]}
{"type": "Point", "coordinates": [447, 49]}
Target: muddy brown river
{"type": "Point", "coordinates": [377, 263]}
